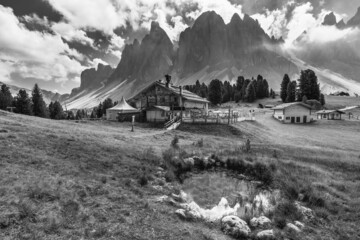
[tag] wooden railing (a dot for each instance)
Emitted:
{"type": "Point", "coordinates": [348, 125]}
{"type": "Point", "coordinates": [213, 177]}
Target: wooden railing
{"type": "Point", "coordinates": [171, 122]}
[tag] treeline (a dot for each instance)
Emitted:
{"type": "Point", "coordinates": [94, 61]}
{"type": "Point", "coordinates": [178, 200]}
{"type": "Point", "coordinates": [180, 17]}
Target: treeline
{"type": "Point", "coordinates": [34, 105]}
{"type": "Point", "coordinates": [100, 110]}
{"type": "Point", "coordinates": [306, 88]}
{"type": "Point", "coordinates": [218, 92]}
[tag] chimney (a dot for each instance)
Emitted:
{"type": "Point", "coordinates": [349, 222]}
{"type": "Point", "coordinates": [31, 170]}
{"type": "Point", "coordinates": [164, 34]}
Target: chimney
{"type": "Point", "coordinates": [167, 80]}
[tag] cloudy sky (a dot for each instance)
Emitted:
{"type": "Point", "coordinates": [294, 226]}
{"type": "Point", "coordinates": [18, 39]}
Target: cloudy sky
{"type": "Point", "coordinates": [51, 41]}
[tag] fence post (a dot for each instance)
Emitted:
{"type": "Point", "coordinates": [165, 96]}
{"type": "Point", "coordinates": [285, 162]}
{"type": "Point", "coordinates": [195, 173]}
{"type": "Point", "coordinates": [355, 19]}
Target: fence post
{"type": "Point", "coordinates": [229, 117]}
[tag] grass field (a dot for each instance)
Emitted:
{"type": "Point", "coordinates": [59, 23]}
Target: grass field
{"type": "Point", "coordinates": [69, 180]}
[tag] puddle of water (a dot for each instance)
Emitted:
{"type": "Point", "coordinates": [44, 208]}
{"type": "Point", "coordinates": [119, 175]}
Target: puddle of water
{"type": "Point", "coordinates": [207, 189]}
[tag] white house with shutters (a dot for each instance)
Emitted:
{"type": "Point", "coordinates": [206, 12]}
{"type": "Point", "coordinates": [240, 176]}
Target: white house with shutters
{"type": "Point", "coordinates": [296, 112]}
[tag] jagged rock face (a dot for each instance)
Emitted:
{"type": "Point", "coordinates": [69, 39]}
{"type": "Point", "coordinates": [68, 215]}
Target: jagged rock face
{"type": "Point", "coordinates": [210, 42]}
{"type": "Point", "coordinates": [330, 19]}
{"type": "Point", "coordinates": [146, 61]}
{"type": "Point", "coordinates": [202, 44]}
{"type": "Point", "coordinates": [92, 78]}
{"type": "Point", "coordinates": [341, 24]}
{"type": "Point", "coordinates": [355, 21]}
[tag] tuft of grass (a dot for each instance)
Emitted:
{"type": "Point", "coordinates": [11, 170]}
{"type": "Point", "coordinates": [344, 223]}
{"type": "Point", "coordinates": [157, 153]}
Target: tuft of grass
{"type": "Point", "coordinates": [175, 142]}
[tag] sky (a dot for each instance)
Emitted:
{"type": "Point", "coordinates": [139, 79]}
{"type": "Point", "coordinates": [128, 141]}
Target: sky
{"type": "Point", "coordinates": [50, 42]}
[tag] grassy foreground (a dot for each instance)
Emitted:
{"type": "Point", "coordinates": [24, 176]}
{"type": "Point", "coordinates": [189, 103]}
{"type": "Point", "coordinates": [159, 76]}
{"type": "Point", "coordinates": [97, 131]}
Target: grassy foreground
{"type": "Point", "coordinates": [68, 180]}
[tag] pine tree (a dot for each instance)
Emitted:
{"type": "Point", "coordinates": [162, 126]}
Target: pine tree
{"type": "Point", "coordinates": [291, 92]}
{"type": "Point", "coordinates": [265, 89]}
{"type": "Point", "coordinates": [239, 83]}
{"type": "Point", "coordinates": [308, 85]}
{"type": "Point", "coordinates": [322, 99]}
{"type": "Point", "coordinates": [99, 111]}
{"type": "Point", "coordinates": [56, 110]}
{"type": "Point", "coordinates": [250, 94]}
{"type": "Point", "coordinates": [6, 98]}
{"type": "Point", "coordinates": [108, 103]}
{"type": "Point", "coordinates": [23, 103]}
{"type": "Point", "coordinates": [215, 92]}
{"type": "Point", "coordinates": [38, 104]}
{"type": "Point", "coordinates": [283, 87]}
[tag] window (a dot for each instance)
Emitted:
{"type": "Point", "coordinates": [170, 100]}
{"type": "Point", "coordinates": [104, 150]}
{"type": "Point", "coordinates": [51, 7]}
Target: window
{"type": "Point", "coordinates": [287, 118]}
{"type": "Point", "coordinates": [297, 119]}
{"type": "Point", "coordinates": [280, 117]}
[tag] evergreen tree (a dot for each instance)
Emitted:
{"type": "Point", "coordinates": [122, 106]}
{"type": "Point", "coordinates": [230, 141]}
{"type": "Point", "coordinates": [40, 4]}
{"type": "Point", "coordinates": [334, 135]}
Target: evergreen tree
{"type": "Point", "coordinates": [250, 94]}
{"type": "Point", "coordinates": [304, 99]}
{"type": "Point", "coordinates": [56, 110]}
{"type": "Point", "coordinates": [283, 87]}
{"type": "Point", "coordinates": [308, 85]}
{"type": "Point", "coordinates": [6, 98]}
{"type": "Point", "coordinates": [272, 94]}
{"type": "Point", "coordinates": [215, 92]}
{"type": "Point", "coordinates": [38, 104]}
{"type": "Point", "coordinates": [243, 89]}
{"type": "Point", "coordinates": [265, 89]}
{"type": "Point", "coordinates": [322, 99]}
{"type": "Point", "coordinates": [259, 87]}
{"type": "Point", "coordinates": [108, 103]}
{"type": "Point", "coordinates": [239, 83]}
{"type": "Point", "coordinates": [23, 103]}
{"type": "Point", "coordinates": [99, 111]}
{"type": "Point", "coordinates": [291, 92]}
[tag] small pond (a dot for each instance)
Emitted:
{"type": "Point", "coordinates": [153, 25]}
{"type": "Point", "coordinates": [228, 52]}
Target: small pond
{"type": "Point", "coordinates": [207, 188]}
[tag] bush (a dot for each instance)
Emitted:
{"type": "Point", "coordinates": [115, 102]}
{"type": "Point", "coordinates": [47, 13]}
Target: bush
{"type": "Point", "coordinates": [199, 143]}
{"type": "Point", "coordinates": [313, 198]}
{"type": "Point", "coordinates": [175, 142]}
{"type": "Point", "coordinates": [262, 173]}
{"type": "Point", "coordinates": [170, 176]}
{"type": "Point", "coordinates": [143, 180]}
{"type": "Point", "coordinates": [287, 210]}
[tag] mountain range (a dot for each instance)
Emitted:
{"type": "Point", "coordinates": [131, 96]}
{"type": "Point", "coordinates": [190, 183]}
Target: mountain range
{"type": "Point", "coordinates": [207, 50]}
{"type": "Point", "coordinates": [211, 49]}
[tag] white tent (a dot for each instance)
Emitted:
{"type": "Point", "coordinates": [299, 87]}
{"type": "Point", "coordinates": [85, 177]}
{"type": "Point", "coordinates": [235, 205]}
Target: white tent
{"type": "Point", "coordinates": [121, 108]}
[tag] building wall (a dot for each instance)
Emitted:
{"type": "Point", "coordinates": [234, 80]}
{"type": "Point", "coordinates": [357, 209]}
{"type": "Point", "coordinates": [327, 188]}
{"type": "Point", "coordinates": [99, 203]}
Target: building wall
{"type": "Point", "coordinates": [298, 112]}
{"type": "Point", "coordinates": [279, 114]}
{"type": "Point", "coordinates": [156, 116]}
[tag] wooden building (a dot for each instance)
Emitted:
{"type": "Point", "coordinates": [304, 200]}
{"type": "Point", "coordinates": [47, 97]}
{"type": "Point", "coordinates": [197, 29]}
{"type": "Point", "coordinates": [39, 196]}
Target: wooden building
{"type": "Point", "coordinates": [329, 114]}
{"type": "Point", "coordinates": [296, 112]}
{"type": "Point", "coordinates": [164, 101]}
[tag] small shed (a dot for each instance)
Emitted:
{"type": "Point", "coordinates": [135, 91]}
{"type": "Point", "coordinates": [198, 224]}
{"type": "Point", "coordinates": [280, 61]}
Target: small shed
{"type": "Point", "coordinates": [329, 114]}
{"type": "Point", "coordinates": [121, 111]}
{"type": "Point", "coordinates": [296, 112]}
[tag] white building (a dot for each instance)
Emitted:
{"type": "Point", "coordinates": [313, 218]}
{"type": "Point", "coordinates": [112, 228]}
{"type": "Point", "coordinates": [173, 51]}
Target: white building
{"type": "Point", "coordinates": [121, 112]}
{"type": "Point", "coordinates": [296, 112]}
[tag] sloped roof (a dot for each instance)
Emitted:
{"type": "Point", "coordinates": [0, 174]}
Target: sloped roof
{"type": "Point", "coordinates": [123, 106]}
{"type": "Point", "coordinates": [176, 90]}
{"type": "Point", "coordinates": [330, 111]}
{"type": "Point", "coordinates": [286, 105]}
{"type": "Point", "coordinates": [163, 108]}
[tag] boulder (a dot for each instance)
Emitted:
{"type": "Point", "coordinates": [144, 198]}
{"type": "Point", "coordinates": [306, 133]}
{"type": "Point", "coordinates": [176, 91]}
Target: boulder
{"type": "Point", "coordinates": [265, 235]}
{"type": "Point", "coordinates": [181, 197]}
{"type": "Point", "coordinates": [300, 225]}
{"type": "Point", "coordinates": [291, 228]}
{"type": "Point", "coordinates": [260, 222]}
{"type": "Point", "coordinates": [307, 213]}
{"type": "Point", "coordinates": [181, 213]}
{"type": "Point", "coordinates": [235, 227]}
{"type": "Point", "coordinates": [189, 162]}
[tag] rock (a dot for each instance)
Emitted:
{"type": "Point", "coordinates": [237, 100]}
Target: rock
{"type": "Point", "coordinates": [260, 222]}
{"type": "Point", "coordinates": [300, 225]}
{"type": "Point", "coordinates": [235, 227]}
{"type": "Point", "coordinates": [330, 19]}
{"type": "Point", "coordinates": [181, 213]}
{"type": "Point", "coordinates": [291, 228]}
{"type": "Point", "coordinates": [189, 162]}
{"type": "Point", "coordinates": [265, 235]}
{"type": "Point", "coordinates": [307, 213]}
{"type": "Point", "coordinates": [182, 197]}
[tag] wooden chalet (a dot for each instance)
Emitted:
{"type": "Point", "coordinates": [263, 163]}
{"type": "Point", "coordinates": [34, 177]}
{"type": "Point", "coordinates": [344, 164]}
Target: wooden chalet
{"type": "Point", "coordinates": [162, 102]}
{"type": "Point", "coordinates": [330, 114]}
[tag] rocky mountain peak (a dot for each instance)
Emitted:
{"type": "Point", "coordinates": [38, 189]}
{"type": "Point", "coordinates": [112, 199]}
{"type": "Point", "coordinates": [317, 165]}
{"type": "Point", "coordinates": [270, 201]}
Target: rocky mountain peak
{"type": "Point", "coordinates": [235, 19]}
{"type": "Point", "coordinates": [355, 21]}
{"type": "Point", "coordinates": [330, 19]}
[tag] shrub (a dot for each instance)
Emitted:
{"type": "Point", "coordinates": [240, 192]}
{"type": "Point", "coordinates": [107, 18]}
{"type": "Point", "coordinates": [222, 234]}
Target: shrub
{"type": "Point", "coordinates": [170, 176]}
{"type": "Point", "coordinates": [280, 222]}
{"type": "Point", "coordinates": [287, 210]}
{"type": "Point", "coordinates": [313, 198]}
{"type": "Point", "coordinates": [175, 142]}
{"type": "Point", "coordinates": [143, 180]}
{"type": "Point", "coordinates": [262, 172]}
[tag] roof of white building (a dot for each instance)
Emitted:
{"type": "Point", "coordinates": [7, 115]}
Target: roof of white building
{"type": "Point", "coordinates": [286, 105]}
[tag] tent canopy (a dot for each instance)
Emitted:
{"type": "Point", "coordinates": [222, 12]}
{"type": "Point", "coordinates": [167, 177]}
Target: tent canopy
{"type": "Point", "coordinates": [123, 106]}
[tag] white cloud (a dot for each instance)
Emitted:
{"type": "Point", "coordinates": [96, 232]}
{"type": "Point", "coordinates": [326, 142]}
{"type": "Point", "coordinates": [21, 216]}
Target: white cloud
{"type": "Point", "coordinates": [70, 33]}
{"type": "Point", "coordinates": [35, 54]}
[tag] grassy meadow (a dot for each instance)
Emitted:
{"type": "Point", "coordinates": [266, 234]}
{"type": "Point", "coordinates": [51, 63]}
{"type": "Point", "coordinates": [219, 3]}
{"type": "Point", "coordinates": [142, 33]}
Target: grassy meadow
{"type": "Point", "coordinates": [99, 180]}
